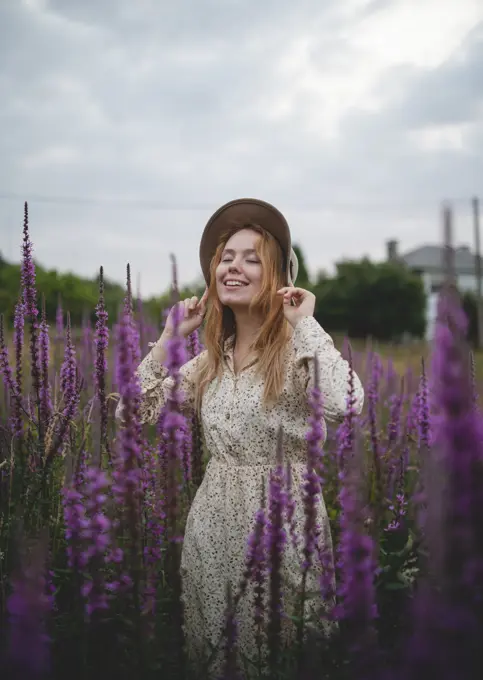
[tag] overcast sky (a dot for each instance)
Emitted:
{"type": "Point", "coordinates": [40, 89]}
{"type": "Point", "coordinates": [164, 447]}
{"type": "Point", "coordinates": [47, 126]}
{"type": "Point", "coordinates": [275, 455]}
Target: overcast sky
{"type": "Point", "coordinates": [126, 124]}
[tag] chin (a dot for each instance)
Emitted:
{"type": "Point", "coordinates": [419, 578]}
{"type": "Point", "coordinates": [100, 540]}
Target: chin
{"type": "Point", "coordinates": [233, 301]}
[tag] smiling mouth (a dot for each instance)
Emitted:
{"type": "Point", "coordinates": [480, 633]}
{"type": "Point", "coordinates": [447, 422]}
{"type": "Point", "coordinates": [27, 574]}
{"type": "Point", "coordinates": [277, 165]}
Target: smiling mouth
{"type": "Point", "coordinates": [235, 284]}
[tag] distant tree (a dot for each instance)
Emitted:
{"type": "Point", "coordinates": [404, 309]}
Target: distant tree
{"type": "Point", "coordinates": [303, 278]}
{"type": "Point", "coordinates": [78, 295]}
{"type": "Point", "coordinates": [382, 300]}
{"type": "Point", "coordinates": [470, 309]}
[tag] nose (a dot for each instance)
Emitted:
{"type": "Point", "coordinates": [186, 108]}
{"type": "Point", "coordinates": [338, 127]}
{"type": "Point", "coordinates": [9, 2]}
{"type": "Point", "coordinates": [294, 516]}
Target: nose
{"type": "Point", "coordinates": [233, 267]}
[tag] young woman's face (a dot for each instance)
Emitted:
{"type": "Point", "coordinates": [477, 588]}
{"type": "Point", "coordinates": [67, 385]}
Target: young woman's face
{"type": "Point", "coordinates": [239, 274]}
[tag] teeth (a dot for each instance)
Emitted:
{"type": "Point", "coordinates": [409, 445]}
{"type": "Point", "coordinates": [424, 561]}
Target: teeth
{"type": "Point", "coordinates": [233, 283]}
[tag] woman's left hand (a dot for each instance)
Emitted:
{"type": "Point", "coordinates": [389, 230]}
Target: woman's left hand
{"type": "Point", "coordinates": [304, 304]}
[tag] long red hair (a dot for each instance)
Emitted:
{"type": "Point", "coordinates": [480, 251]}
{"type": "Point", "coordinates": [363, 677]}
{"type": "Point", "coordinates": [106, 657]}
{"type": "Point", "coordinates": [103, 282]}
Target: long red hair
{"type": "Point", "coordinates": [271, 341]}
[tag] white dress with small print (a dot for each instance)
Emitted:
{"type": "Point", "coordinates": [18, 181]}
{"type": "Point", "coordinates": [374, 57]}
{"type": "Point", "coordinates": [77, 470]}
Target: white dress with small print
{"type": "Point", "coordinates": [240, 435]}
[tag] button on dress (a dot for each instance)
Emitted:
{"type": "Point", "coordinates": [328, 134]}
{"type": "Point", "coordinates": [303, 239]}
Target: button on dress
{"type": "Point", "coordinates": [240, 434]}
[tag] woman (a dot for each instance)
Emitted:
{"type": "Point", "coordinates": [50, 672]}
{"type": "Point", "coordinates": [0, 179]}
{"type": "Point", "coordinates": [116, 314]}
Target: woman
{"type": "Point", "coordinates": [254, 376]}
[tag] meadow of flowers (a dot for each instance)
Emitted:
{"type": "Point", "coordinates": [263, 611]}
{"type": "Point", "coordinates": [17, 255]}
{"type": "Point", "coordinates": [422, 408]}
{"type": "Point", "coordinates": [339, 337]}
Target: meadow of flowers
{"type": "Point", "coordinates": [92, 514]}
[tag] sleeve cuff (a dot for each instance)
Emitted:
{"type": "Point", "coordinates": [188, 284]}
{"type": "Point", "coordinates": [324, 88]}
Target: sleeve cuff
{"type": "Point", "coordinates": [308, 331]}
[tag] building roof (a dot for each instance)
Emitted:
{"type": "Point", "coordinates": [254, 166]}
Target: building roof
{"type": "Point", "coordinates": [431, 259]}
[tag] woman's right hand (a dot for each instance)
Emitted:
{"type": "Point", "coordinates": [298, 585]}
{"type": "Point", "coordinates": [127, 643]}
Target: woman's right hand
{"type": "Point", "coordinates": [192, 315]}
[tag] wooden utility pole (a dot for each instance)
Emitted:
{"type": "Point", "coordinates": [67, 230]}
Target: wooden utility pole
{"type": "Point", "coordinates": [449, 268]}
{"type": "Point", "coordinates": [478, 270]}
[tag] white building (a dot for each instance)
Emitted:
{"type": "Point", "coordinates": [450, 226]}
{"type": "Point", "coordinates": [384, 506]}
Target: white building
{"type": "Point", "coordinates": [428, 262]}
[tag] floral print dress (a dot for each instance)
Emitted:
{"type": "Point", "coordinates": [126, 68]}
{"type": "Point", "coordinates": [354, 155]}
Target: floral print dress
{"type": "Point", "coordinates": [241, 437]}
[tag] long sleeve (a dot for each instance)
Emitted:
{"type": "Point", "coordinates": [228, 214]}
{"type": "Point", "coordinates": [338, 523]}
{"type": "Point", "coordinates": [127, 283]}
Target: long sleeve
{"type": "Point", "coordinates": [310, 339]}
{"type": "Point", "coordinates": [156, 386]}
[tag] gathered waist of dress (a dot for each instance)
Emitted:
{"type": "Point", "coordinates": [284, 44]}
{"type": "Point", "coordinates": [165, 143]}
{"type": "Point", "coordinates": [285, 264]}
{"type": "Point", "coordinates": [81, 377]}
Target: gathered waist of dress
{"type": "Point", "coordinates": [232, 463]}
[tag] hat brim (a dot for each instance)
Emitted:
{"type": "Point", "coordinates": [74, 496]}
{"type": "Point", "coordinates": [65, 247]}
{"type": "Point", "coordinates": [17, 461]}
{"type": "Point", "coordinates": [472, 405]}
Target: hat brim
{"type": "Point", "coordinates": [247, 211]}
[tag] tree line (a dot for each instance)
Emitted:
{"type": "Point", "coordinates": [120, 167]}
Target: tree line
{"type": "Point", "coordinates": [363, 298]}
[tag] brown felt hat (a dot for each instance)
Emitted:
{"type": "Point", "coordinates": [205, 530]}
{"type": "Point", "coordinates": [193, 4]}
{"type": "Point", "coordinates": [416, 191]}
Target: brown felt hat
{"type": "Point", "coordinates": [245, 211]}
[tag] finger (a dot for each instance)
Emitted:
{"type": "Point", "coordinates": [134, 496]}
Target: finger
{"type": "Point", "coordinates": [186, 304]}
{"type": "Point", "coordinates": [203, 301]}
{"type": "Point", "coordinates": [193, 303]}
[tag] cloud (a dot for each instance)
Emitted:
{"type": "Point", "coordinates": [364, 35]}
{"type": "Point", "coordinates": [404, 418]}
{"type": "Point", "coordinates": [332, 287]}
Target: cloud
{"type": "Point", "coordinates": [356, 117]}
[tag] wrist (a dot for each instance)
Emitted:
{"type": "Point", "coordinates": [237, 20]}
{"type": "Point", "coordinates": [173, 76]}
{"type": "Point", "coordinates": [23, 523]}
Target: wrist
{"type": "Point", "coordinates": [169, 335]}
{"type": "Point", "coordinates": [294, 322]}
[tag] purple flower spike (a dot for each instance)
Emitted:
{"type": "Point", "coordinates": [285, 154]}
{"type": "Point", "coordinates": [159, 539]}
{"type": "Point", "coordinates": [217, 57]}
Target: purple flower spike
{"type": "Point", "coordinates": [5, 368]}
{"type": "Point", "coordinates": [175, 422]}
{"type": "Point", "coordinates": [28, 271]}
{"type": "Point", "coordinates": [311, 485]}
{"type": "Point", "coordinates": [28, 607]}
{"type": "Point", "coordinates": [357, 609]}
{"type": "Point", "coordinates": [128, 467]}
{"type": "Point", "coordinates": [276, 540]}
{"type": "Point", "coordinates": [96, 539]}
{"type": "Point", "coordinates": [458, 437]}
{"type": "Point", "coordinates": [59, 335]}
{"type": "Point", "coordinates": [45, 395]}
{"type": "Point", "coordinates": [101, 342]}
{"type": "Point", "coordinates": [423, 411]}
{"type": "Point", "coordinates": [448, 612]}
{"type": "Point", "coordinates": [18, 340]}
{"type": "Point", "coordinates": [194, 344]}
{"type": "Point", "coordinates": [29, 296]}
{"type": "Point", "coordinates": [230, 670]}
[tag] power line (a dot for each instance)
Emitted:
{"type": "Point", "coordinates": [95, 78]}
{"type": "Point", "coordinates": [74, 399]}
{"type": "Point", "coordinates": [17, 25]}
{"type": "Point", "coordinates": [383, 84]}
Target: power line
{"type": "Point", "coordinates": [158, 205]}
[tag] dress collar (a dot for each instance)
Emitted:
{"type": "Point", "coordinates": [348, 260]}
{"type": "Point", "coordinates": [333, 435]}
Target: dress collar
{"type": "Point", "coordinates": [228, 350]}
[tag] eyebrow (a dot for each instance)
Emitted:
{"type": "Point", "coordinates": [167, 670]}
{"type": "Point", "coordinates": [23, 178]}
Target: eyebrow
{"type": "Point", "coordinates": [248, 251]}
